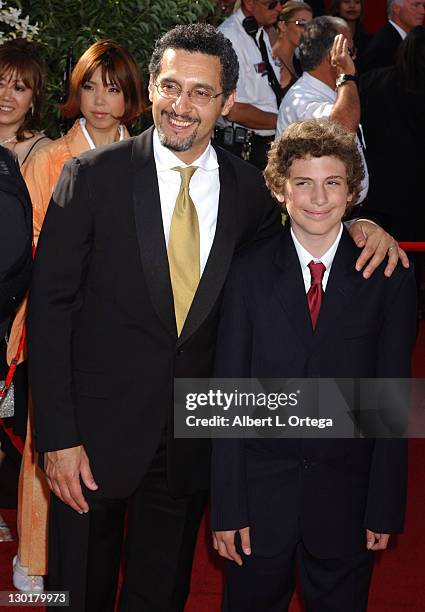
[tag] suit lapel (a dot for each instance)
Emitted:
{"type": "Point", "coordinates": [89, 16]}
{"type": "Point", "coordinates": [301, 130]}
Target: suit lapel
{"type": "Point", "coordinates": [290, 290]}
{"type": "Point", "coordinates": [221, 254]}
{"type": "Point", "coordinates": [150, 230]}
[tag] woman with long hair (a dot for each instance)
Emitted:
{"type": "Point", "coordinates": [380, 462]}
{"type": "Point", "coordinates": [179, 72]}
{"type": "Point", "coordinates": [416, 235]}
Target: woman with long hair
{"type": "Point", "coordinates": [352, 12]}
{"type": "Point", "coordinates": [21, 92]}
{"type": "Point", "coordinates": [290, 25]}
{"type": "Point", "coordinates": [105, 97]}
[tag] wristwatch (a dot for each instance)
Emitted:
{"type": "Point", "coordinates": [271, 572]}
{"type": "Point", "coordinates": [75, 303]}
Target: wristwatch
{"type": "Point", "coordinates": [344, 78]}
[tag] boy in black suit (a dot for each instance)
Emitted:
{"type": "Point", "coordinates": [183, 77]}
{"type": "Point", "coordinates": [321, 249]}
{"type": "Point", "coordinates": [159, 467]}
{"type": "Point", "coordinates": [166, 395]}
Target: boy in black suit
{"type": "Point", "coordinates": [294, 307]}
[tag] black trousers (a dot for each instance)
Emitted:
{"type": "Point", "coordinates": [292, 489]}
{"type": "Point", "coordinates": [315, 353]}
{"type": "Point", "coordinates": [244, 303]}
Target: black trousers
{"type": "Point", "coordinates": [328, 585]}
{"type": "Point", "coordinates": [85, 550]}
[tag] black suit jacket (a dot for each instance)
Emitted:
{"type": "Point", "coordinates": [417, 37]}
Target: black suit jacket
{"type": "Point", "coordinates": [15, 237]}
{"type": "Point", "coordinates": [103, 347]}
{"type": "Point", "coordinates": [395, 134]}
{"type": "Point", "coordinates": [382, 49]}
{"type": "Point", "coordinates": [323, 491]}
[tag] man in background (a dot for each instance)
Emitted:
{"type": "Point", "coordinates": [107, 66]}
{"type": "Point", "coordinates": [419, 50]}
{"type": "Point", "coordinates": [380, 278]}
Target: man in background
{"type": "Point", "coordinates": [249, 127]}
{"type": "Point", "coordinates": [328, 86]}
{"type": "Point", "coordinates": [403, 15]}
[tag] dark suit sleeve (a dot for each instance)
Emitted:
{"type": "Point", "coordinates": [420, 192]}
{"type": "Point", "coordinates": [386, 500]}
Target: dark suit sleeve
{"type": "Point", "coordinates": [55, 297]}
{"type": "Point", "coordinates": [233, 357]}
{"type": "Point", "coordinates": [388, 477]}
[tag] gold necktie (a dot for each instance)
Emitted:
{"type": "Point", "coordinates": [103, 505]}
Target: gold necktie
{"type": "Point", "coordinates": [183, 249]}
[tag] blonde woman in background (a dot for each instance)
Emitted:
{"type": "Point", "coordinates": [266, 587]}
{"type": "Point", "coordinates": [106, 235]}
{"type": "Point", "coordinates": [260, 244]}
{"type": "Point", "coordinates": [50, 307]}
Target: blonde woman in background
{"type": "Point", "coordinates": [290, 25]}
{"type": "Point", "coordinates": [106, 96]}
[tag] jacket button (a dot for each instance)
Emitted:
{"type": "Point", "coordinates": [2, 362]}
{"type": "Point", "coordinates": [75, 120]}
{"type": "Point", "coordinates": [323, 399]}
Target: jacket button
{"type": "Point", "coordinates": [306, 464]}
{"type": "Point", "coordinates": [179, 351]}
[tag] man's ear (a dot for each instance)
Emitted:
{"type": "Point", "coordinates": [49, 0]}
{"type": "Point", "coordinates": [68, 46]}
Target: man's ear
{"type": "Point", "coordinates": [228, 104]}
{"type": "Point", "coordinates": [349, 198]}
{"type": "Point", "coordinates": [150, 87]}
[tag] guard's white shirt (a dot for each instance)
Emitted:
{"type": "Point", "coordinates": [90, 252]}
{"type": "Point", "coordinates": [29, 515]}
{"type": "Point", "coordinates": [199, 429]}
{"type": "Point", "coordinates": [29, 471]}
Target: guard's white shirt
{"type": "Point", "coordinates": [310, 98]}
{"type": "Point", "coordinates": [252, 87]}
{"type": "Point", "coordinates": [305, 258]}
{"type": "Point", "coordinates": [204, 189]}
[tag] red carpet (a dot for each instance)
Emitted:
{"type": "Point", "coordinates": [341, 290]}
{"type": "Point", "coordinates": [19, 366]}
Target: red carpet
{"type": "Point", "coordinates": [399, 579]}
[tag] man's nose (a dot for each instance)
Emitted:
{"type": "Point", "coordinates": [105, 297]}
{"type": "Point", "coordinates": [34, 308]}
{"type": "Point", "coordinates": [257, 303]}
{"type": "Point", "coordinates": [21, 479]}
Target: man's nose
{"type": "Point", "coordinates": [182, 103]}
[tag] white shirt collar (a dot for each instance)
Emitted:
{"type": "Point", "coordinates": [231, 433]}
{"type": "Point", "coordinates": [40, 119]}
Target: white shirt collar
{"type": "Point", "coordinates": [166, 160]}
{"type": "Point", "coordinates": [314, 83]}
{"type": "Point", "coordinates": [305, 258]}
{"type": "Point", "coordinates": [121, 132]}
{"type": "Point", "coordinates": [400, 30]}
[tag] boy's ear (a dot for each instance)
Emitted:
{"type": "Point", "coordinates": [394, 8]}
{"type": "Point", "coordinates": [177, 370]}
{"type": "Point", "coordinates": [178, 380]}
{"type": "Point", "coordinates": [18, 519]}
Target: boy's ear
{"type": "Point", "coordinates": [349, 197]}
{"type": "Point", "coordinates": [279, 197]}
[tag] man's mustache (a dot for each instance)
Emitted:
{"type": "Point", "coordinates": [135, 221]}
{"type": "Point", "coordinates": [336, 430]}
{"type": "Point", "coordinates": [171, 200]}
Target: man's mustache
{"type": "Point", "coordinates": [174, 115]}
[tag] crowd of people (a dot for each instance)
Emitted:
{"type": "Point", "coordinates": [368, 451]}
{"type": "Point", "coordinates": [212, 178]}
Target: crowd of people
{"type": "Point", "coordinates": [134, 238]}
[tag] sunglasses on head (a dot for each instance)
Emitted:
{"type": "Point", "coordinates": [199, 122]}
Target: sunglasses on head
{"type": "Point", "coordinates": [298, 22]}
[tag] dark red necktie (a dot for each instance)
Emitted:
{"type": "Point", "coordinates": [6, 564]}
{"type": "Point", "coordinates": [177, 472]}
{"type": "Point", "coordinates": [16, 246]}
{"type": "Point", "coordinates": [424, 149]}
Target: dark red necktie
{"type": "Point", "coordinates": [315, 293]}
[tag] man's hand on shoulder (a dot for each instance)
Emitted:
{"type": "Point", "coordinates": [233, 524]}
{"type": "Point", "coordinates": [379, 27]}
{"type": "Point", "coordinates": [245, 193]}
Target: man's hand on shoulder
{"type": "Point", "coordinates": [63, 469]}
{"type": "Point", "coordinates": [224, 543]}
{"type": "Point", "coordinates": [376, 243]}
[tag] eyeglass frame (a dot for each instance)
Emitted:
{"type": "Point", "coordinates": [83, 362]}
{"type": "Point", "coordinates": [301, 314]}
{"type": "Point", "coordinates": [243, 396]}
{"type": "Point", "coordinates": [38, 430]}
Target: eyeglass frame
{"type": "Point", "coordinates": [188, 92]}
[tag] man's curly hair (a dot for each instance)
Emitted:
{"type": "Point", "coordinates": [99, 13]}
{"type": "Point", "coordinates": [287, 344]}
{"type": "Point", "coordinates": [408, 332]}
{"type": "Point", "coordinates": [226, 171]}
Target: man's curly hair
{"type": "Point", "coordinates": [314, 138]}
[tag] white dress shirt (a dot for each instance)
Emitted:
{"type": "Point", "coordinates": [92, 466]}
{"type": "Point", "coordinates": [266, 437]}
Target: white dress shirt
{"type": "Point", "coordinates": [305, 258]}
{"type": "Point", "coordinates": [253, 87]}
{"type": "Point", "coordinates": [204, 189]}
{"type": "Point", "coordinates": [310, 98]}
{"type": "Point", "coordinates": [402, 33]}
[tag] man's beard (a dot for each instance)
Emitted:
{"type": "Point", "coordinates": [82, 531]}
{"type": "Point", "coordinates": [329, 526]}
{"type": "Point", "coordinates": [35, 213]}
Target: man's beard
{"type": "Point", "coordinates": [174, 143]}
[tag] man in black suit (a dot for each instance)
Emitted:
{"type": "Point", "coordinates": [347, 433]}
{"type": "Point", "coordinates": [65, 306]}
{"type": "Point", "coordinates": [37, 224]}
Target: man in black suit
{"type": "Point", "coordinates": [324, 502]}
{"type": "Point", "coordinates": [107, 335]}
{"type": "Point", "coordinates": [403, 15]}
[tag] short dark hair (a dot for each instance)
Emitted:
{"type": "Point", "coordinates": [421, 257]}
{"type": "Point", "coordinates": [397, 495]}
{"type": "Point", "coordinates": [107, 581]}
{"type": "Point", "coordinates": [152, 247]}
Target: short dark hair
{"type": "Point", "coordinates": [119, 66]}
{"type": "Point", "coordinates": [314, 138]}
{"type": "Point", "coordinates": [317, 40]}
{"type": "Point", "coordinates": [199, 38]}
{"type": "Point", "coordinates": [21, 57]}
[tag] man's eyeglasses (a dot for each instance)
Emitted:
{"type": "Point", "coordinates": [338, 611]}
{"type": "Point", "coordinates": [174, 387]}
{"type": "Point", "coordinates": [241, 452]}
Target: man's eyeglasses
{"type": "Point", "coordinates": [298, 22]}
{"type": "Point", "coordinates": [269, 5]}
{"type": "Point", "coordinates": [197, 95]}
